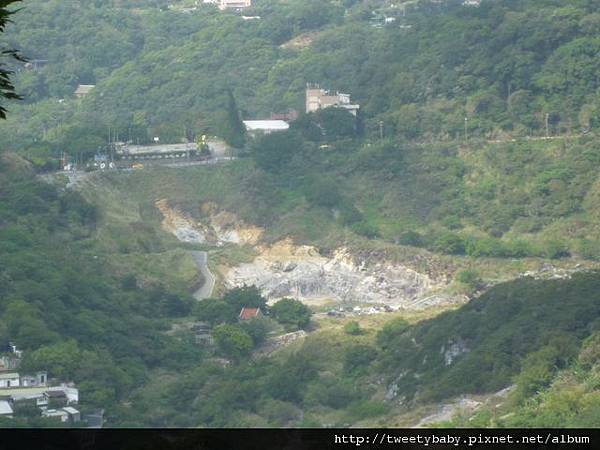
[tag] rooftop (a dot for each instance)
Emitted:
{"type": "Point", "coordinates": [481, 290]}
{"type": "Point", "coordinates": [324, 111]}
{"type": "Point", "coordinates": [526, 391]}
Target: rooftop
{"type": "Point", "coordinates": [84, 89]}
{"type": "Point", "coordinates": [156, 148]}
{"type": "Point", "coordinates": [266, 125]}
{"type": "Point", "coordinates": [5, 407]}
{"type": "Point", "coordinates": [70, 410]}
{"type": "Point", "coordinates": [24, 392]}
{"type": "Point", "coordinates": [8, 375]}
{"type": "Point", "coordinates": [56, 394]}
{"type": "Point", "coordinates": [249, 313]}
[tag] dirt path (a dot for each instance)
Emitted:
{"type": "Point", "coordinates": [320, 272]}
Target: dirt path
{"type": "Point", "coordinates": [206, 289]}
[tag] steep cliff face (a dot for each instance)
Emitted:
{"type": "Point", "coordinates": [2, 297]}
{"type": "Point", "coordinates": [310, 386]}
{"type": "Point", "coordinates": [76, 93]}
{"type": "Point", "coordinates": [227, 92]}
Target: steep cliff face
{"type": "Point", "coordinates": [218, 228]}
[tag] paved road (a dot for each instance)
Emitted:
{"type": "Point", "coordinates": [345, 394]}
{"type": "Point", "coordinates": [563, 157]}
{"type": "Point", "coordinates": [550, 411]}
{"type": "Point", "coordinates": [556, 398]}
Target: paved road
{"type": "Point", "coordinates": [206, 290]}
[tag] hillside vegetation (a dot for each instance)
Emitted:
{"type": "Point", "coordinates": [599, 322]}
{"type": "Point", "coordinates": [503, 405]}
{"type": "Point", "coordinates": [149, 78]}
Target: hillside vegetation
{"type": "Point", "coordinates": [71, 308]}
{"type": "Point", "coordinates": [476, 143]}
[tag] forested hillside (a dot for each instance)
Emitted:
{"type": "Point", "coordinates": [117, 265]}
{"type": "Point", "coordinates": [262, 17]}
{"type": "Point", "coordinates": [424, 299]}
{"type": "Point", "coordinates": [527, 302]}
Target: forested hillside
{"type": "Point", "coordinates": [476, 143]}
{"type": "Point", "coordinates": [504, 66]}
{"type": "Point", "coordinates": [71, 309]}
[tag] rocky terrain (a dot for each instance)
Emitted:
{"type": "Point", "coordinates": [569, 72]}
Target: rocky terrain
{"type": "Point", "coordinates": [288, 270]}
{"type": "Point", "coordinates": [285, 269]}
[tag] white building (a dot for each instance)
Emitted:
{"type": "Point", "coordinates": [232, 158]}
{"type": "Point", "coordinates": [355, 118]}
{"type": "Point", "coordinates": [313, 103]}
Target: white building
{"type": "Point", "coordinates": [62, 415]}
{"type": "Point", "coordinates": [74, 415]}
{"type": "Point", "coordinates": [317, 98]}
{"type": "Point", "coordinates": [5, 409]}
{"type": "Point", "coordinates": [231, 4]}
{"type": "Point", "coordinates": [39, 379]}
{"type": "Point", "coordinates": [83, 90]}
{"type": "Point", "coordinates": [10, 380]}
{"type": "Point", "coordinates": [257, 127]}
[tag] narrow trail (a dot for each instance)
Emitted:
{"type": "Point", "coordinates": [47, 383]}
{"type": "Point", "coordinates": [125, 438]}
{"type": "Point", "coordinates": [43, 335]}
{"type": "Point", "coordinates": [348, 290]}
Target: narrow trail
{"type": "Point", "coordinates": [206, 290]}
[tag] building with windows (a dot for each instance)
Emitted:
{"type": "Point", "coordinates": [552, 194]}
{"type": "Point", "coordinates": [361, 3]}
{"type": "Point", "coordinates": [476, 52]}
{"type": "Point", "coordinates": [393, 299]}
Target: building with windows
{"type": "Point", "coordinates": [317, 98]}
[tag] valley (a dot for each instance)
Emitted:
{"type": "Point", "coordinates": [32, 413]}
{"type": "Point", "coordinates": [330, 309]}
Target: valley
{"type": "Point", "coordinates": [303, 213]}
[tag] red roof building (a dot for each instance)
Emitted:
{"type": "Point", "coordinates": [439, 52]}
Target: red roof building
{"type": "Point", "coordinates": [249, 313]}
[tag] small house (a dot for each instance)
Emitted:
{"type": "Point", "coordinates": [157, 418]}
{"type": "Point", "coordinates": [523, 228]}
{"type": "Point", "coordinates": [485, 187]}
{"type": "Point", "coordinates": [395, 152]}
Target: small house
{"type": "Point", "coordinates": [59, 413]}
{"type": "Point", "coordinates": [317, 98]}
{"type": "Point", "coordinates": [10, 380]}
{"type": "Point", "coordinates": [74, 415]}
{"type": "Point", "coordinates": [249, 313]}
{"type": "Point", "coordinates": [83, 90]}
{"type": "Point", "coordinates": [37, 380]}
{"type": "Point", "coordinates": [56, 398]}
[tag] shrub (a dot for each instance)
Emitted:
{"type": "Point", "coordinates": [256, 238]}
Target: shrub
{"type": "Point", "coordinates": [411, 238]}
{"type": "Point", "coordinates": [358, 357]}
{"type": "Point", "coordinates": [469, 277]}
{"type": "Point", "coordinates": [452, 222]}
{"type": "Point", "coordinates": [391, 330]}
{"type": "Point", "coordinates": [366, 409]}
{"type": "Point", "coordinates": [450, 243]}
{"type": "Point", "coordinates": [365, 229]}
{"type": "Point", "coordinates": [555, 250]}
{"type": "Point", "coordinates": [352, 328]}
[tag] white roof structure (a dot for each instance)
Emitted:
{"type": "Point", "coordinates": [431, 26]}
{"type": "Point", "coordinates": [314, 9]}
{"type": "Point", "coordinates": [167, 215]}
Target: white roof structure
{"type": "Point", "coordinates": [156, 149]}
{"type": "Point", "coordinates": [266, 125]}
{"type": "Point", "coordinates": [9, 376]}
{"type": "Point", "coordinates": [64, 416]}
{"type": "Point", "coordinates": [5, 408]}
{"type": "Point", "coordinates": [70, 410]}
{"type": "Point", "coordinates": [71, 392]}
{"type": "Point", "coordinates": [84, 89]}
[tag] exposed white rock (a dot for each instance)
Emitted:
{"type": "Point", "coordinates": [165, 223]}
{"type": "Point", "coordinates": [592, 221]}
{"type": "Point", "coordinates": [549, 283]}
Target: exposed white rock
{"type": "Point", "coordinates": [455, 348]}
{"type": "Point", "coordinates": [285, 270]}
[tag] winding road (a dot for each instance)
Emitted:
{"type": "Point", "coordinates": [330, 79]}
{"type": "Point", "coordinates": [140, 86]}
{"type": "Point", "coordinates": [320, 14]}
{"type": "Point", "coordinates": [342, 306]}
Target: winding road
{"type": "Point", "coordinates": [205, 291]}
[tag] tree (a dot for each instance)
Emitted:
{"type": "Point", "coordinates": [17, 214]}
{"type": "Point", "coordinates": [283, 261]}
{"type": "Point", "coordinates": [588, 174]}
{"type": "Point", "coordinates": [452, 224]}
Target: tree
{"type": "Point", "coordinates": [7, 90]}
{"type": "Point", "coordinates": [232, 341]}
{"type": "Point", "coordinates": [273, 152]}
{"type": "Point", "coordinates": [216, 311]}
{"type": "Point", "coordinates": [231, 127]}
{"type": "Point", "coordinates": [257, 328]}
{"type": "Point", "coordinates": [291, 312]}
{"type": "Point", "coordinates": [358, 357]}
{"type": "Point", "coordinates": [248, 296]}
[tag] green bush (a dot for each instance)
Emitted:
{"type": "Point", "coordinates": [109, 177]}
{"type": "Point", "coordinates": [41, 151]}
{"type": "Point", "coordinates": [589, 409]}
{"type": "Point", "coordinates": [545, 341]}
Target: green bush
{"type": "Point", "coordinates": [233, 341]}
{"type": "Point", "coordinates": [257, 328]}
{"type": "Point", "coordinates": [390, 331]}
{"type": "Point", "coordinates": [352, 328]}
{"type": "Point", "coordinates": [411, 238]}
{"type": "Point", "coordinates": [365, 229]}
{"type": "Point", "coordinates": [450, 243]}
{"type": "Point", "coordinates": [358, 357]}
{"type": "Point", "coordinates": [555, 249]}
{"type": "Point", "coordinates": [469, 277]}
{"type": "Point", "coordinates": [366, 409]}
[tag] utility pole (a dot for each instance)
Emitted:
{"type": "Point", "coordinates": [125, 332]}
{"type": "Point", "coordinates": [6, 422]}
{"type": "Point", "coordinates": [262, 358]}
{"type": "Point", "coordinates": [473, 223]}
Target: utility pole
{"type": "Point", "coordinates": [466, 129]}
{"type": "Point", "coordinates": [547, 125]}
{"type": "Point", "coordinates": [381, 130]}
